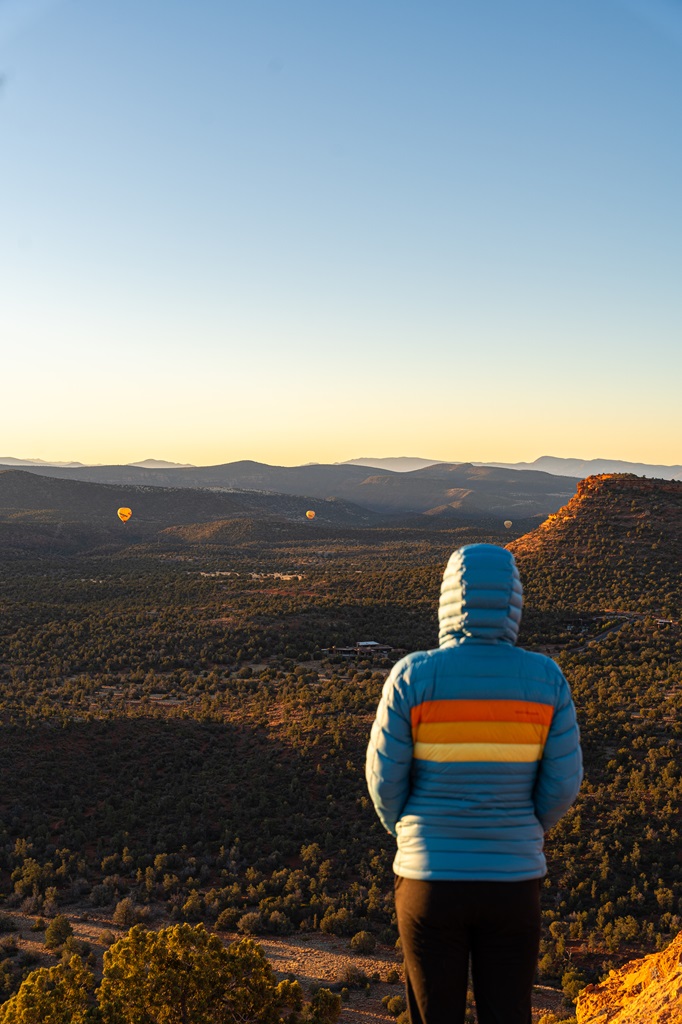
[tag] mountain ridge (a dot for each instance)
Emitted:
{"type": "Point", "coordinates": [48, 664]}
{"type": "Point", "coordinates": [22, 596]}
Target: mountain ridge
{"type": "Point", "coordinates": [558, 466]}
{"type": "Point", "coordinates": [578, 468]}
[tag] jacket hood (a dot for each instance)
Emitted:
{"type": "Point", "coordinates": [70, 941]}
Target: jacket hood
{"type": "Point", "coordinates": [481, 596]}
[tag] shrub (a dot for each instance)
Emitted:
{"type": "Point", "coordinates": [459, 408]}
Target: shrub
{"type": "Point", "coordinates": [193, 906]}
{"type": "Point", "coordinates": [571, 983]}
{"type": "Point", "coordinates": [73, 945]}
{"type": "Point", "coordinates": [8, 947]}
{"type": "Point", "coordinates": [58, 994]}
{"type": "Point", "coordinates": [32, 905]}
{"type": "Point", "coordinates": [325, 1007]}
{"type": "Point", "coordinates": [146, 972]}
{"type": "Point", "coordinates": [395, 1005]}
{"type": "Point", "coordinates": [124, 914]}
{"type": "Point", "coordinates": [227, 919]}
{"type": "Point", "coordinates": [354, 977]}
{"type": "Point", "coordinates": [101, 895]}
{"type": "Point", "coordinates": [57, 932]}
{"type": "Point", "coordinates": [50, 907]}
{"type": "Point", "coordinates": [363, 942]}
{"type": "Point", "coordinates": [340, 922]}
{"type": "Point", "coordinates": [279, 924]}
{"type": "Point", "coordinates": [250, 924]}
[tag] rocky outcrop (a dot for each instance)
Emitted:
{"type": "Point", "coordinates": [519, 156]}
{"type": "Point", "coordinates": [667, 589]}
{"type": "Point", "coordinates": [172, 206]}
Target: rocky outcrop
{"type": "Point", "coordinates": [616, 545]}
{"type": "Point", "coordinates": [626, 483]}
{"type": "Point", "coordinates": [647, 991]}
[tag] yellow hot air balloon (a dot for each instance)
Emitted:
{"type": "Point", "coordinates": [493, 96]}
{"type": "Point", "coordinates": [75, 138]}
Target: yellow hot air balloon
{"type": "Point", "coordinates": [310, 514]}
{"type": "Point", "coordinates": [507, 523]}
{"type": "Point", "coordinates": [124, 514]}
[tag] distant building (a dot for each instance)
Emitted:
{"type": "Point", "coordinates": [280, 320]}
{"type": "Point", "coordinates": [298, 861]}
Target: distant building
{"type": "Point", "coordinates": [362, 649]}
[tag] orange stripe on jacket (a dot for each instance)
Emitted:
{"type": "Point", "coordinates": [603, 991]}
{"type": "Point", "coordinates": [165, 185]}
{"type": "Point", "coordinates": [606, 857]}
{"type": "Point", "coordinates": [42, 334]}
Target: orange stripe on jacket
{"type": "Point", "coordinates": [482, 711]}
{"type": "Point", "coordinates": [480, 732]}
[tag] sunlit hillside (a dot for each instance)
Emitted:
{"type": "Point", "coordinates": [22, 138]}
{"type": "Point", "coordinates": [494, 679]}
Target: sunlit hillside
{"type": "Point", "coordinates": [617, 544]}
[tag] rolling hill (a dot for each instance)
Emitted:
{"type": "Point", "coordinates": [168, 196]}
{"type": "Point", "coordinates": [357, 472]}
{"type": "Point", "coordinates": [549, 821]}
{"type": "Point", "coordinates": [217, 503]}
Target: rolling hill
{"type": "Point", "coordinates": [474, 490]}
{"type": "Point", "coordinates": [45, 513]}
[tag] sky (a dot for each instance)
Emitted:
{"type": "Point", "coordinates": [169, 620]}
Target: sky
{"type": "Point", "coordinates": [311, 230]}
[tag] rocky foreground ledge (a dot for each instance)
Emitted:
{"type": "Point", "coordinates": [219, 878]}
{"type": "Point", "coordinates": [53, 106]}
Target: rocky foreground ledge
{"type": "Point", "coordinates": [647, 991]}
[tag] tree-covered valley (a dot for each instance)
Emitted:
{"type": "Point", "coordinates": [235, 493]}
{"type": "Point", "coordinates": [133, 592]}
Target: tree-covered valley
{"type": "Point", "coordinates": [182, 739]}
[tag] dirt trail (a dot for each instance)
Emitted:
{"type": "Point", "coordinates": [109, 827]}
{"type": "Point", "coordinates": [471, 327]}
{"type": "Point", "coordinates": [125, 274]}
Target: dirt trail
{"type": "Point", "coordinates": [323, 959]}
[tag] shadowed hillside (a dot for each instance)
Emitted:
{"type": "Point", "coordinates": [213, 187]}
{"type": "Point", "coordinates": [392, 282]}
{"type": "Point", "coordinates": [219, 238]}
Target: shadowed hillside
{"type": "Point", "coordinates": [57, 515]}
{"type": "Point", "coordinates": [617, 544]}
{"type": "Point", "coordinates": [47, 514]}
{"type": "Point", "coordinates": [475, 490]}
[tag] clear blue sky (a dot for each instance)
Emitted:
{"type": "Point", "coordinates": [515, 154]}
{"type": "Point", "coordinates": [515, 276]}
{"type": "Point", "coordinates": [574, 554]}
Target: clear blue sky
{"type": "Point", "coordinates": [309, 230]}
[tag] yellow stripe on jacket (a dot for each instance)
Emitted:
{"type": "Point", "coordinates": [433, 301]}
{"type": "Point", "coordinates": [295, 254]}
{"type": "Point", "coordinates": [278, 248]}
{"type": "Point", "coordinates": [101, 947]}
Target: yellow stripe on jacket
{"type": "Point", "coordinates": [444, 752]}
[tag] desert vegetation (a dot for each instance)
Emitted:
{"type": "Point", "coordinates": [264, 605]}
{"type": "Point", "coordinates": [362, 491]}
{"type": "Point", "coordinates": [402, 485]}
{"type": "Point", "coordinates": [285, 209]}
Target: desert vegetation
{"type": "Point", "coordinates": [183, 749]}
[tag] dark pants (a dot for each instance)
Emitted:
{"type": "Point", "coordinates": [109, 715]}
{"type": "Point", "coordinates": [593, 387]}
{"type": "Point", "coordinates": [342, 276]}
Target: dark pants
{"type": "Point", "coordinates": [442, 924]}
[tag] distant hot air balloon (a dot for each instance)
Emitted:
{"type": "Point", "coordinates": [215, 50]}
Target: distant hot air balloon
{"type": "Point", "coordinates": [124, 514]}
{"type": "Point", "coordinates": [310, 514]}
{"type": "Point", "coordinates": [507, 523]}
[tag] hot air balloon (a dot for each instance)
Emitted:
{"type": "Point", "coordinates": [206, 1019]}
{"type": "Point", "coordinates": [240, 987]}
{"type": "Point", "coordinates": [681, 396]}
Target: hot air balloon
{"type": "Point", "coordinates": [124, 514]}
{"type": "Point", "coordinates": [507, 523]}
{"type": "Point", "coordinates": [310, 514]}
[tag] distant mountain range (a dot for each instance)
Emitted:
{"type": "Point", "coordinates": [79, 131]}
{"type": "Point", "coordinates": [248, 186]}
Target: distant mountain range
{"type": "Point", "coordinates": [577, 468]}
{"type": "Point", "coordinates": [582, 468]}
{"type": "Point", "coordinates": [464, 491]}
{"type": "Point", "coordinates": [8, 460]}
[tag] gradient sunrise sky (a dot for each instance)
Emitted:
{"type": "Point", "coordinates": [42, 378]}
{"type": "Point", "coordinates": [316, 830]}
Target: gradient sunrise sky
{"type": "Point", "coordinates": [310, 230]}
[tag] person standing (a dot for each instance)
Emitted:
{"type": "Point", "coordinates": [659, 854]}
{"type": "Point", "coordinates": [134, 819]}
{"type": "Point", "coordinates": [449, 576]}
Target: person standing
{"type": "Point", "coordinates": [473, 755]}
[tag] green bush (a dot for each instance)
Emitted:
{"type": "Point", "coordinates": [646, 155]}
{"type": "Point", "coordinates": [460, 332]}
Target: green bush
{"type": "Point", "coordinates": [571, 984]}
{"type": "Point", "coordinates": [8, 947]}
{"type": "Point", "coordinates": [250, 924]}
{"type": "Point", "coordinates": [279, 924]}
{"type": "Point", "coordinates": [354, 977]}
{"type": "Point", "coordinates": [124, 914]}
{"type": "Point", "coordinates": [363, 942]}
{"type": "Point", "coordinates": [325, 1007]}
{"type": "Point", "coordinates": [57, 932]}
{"type": "Point", "coordinates": [227, 919]}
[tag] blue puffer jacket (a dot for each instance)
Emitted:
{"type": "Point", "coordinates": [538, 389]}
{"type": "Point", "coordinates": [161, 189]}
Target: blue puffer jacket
{"type": "Point", "coordinates": [475, 750]}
